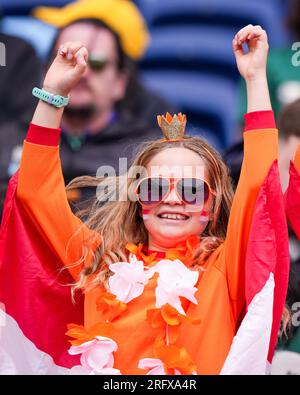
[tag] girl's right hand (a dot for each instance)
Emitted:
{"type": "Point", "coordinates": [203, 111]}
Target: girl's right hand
{"type": "Point", "coordinates": [66, 69]}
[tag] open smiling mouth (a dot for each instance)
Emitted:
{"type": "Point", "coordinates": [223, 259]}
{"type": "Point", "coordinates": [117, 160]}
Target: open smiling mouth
{"type": "Point", "coordinates": [173, 216]}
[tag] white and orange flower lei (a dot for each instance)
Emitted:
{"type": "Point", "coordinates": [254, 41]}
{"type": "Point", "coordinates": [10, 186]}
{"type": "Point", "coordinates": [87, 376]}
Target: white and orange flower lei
{"type": "Point", "coordinates": [126, 284]}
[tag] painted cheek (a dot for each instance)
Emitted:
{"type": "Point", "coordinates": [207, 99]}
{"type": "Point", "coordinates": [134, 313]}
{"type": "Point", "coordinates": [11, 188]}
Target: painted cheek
{"type": "Point", "coordinates": [145, 214]}
{"type": "Point", "coordinates": [204, 217]}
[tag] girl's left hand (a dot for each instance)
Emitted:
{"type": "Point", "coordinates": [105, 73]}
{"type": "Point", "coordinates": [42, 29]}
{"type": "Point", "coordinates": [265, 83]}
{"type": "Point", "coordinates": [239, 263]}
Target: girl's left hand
{"type": "Point", "coordinates": [253, 64]}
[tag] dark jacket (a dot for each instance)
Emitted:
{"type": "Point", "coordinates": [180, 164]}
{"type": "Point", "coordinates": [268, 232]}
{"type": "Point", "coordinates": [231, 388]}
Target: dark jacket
{"type": "Point", "coordinates": [21, 73]}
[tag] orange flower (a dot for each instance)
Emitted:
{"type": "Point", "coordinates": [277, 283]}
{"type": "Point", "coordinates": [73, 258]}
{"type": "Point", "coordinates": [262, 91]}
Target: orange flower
{"type": "Point", "coordinates": [184, 251]}
{"type": "Point", "coordinates": [137, 251]}
{"type": "Point", "coordinates": [80, 334]}
{"type": "Point", "coordinates": [167, 315]}
{"type": "Point", "coordinates": [110, 306]}
{"type": "Point", "coordinates": [174, 357]}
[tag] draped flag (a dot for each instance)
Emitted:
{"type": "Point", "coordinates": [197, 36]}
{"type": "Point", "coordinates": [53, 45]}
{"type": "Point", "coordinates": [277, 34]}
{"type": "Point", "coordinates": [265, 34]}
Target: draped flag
{"type": "Point", "coordinates": [292, 200]}
{"type": "Point", "coordinates": [266, 282]}
{"type": "Point", "coordinates": [33, 287]}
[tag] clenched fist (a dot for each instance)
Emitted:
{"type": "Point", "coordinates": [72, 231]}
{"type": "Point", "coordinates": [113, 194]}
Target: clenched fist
{"type": "Point", "coordinates": [67, 68]}
{"type": "Point", "coordinates": [252, 64]}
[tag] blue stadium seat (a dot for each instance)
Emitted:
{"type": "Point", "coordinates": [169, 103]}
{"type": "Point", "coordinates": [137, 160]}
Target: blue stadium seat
{"type": "Point", "coordinates": [209, 102]}
{"type": "Point", "coordinates": [204, 49]}
{"type": "Point", "coordinates": [39, 34]}
{"type": "Point", "coordinates": [23, 7]}
{"type": "Point", "coordinates": [229, 13]}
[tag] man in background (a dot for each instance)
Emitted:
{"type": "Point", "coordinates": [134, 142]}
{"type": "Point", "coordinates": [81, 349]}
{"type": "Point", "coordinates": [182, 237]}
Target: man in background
{"type": "Point", "coordinates": [110, 111]}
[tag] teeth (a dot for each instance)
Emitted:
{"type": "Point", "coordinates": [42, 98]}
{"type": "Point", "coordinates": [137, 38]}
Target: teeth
{"type": "Point", "coordinates": [173, 216]}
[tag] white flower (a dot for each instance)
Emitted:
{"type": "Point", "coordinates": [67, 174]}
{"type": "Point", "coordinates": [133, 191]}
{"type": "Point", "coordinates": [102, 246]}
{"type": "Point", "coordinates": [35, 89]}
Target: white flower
{"type": "Point", "coordinates": [175, 281]}
{"type": "Point", "coordinates": [155, 366]}
{"type": "Point", "coordinates": [129, 279]}
{"type": "Point", "coordinates": [80, 370]}
{"type": "Point", "coordinates": [96, 357]}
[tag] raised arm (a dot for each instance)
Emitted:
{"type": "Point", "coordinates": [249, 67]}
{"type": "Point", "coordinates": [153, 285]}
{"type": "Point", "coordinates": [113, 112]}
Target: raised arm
{"type": "Point", "coordinates": [260, 151]}
{"type": "Point", "coordinates": [41, 188]}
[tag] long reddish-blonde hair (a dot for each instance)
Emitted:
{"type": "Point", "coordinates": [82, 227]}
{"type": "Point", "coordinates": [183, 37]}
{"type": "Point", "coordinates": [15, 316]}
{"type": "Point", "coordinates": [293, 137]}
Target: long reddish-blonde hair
{"type": "Point", "coordinates": [119, 222]}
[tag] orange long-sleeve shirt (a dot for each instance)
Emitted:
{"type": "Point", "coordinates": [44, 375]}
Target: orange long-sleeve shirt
{"type": "Point", "coordinates": [297, 159]}
{"type": "Point", "coordinates": [220, 293]}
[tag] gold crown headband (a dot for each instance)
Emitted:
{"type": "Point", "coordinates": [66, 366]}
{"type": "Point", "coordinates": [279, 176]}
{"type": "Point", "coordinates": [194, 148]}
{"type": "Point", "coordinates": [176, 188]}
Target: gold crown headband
{"type": "Point", "coordinates": [173, 128]}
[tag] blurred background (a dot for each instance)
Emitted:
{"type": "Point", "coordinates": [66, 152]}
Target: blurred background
{"type": "Point", "coordinates": [189, 60]}
{"type": "Point", "coordinates": [188, 66]}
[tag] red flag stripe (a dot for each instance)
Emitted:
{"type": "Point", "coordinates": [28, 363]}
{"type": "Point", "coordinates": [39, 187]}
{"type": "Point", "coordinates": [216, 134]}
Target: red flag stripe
{"type": "Point", "coordinates": [32, 285]}
{"type": "Point", "coordinates": [268, 249]}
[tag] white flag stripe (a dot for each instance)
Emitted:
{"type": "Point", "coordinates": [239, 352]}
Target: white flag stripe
{"type": "Point", "coordinates": [249, 349]}
{"type": "Point", "coordinates": [18, 355]}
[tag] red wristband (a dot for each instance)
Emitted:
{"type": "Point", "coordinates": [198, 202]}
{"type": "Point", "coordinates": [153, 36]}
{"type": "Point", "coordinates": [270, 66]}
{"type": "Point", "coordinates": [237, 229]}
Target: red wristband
{"type": "Point", "coordinates": [259, 120]}
{"type": "Point", "coordinates": [43, 136]}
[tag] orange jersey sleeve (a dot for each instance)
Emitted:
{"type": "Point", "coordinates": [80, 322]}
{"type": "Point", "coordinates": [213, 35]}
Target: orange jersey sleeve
{"type": "Point", "coordinates": [260, 151]}
{"type": "Point", "coordinates": [41, 191]}
{"type": "Point", "coordinates": [297, 159]}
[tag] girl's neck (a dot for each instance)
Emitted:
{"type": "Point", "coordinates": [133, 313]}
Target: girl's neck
{"type": "Point", "coordinates": [154, 246]}
{"type": "Point", "coordinates": [191, 241]}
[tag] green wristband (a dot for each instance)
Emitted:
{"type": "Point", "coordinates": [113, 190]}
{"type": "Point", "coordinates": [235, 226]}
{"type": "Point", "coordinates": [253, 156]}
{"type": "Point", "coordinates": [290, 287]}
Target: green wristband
{"type": "Point", "coordinates": [55, 100]}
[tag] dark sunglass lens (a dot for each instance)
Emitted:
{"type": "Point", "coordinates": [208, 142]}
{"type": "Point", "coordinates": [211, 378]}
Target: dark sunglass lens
{"type": "Point", "coordinates": [193, 191]}
{"type": "Point", "coordinates": [152, 190]}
